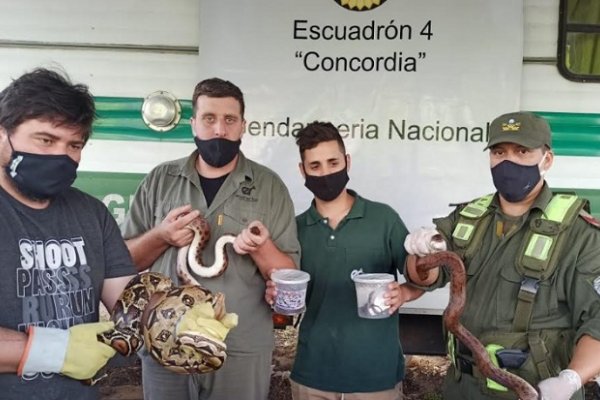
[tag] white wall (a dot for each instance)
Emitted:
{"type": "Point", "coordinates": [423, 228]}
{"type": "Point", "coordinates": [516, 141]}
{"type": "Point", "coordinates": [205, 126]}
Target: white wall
{"type": "Point", "coordinates": [150, 44]}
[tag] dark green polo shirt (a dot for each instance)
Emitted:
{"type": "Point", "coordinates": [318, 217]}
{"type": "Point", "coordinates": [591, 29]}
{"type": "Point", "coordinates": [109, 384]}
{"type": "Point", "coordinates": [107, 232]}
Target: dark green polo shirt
{"type": "Point", "coordinates": [337, 350]}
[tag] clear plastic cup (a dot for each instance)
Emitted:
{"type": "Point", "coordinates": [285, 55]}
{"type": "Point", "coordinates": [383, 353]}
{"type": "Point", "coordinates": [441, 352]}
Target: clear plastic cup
{"type": "Point", "coordinates": [291, 290]}
{"type": "Point", "coordinates": [370, 289]}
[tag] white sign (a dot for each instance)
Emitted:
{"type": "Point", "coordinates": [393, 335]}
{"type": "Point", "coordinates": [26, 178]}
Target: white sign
{"type": "Point", "coordinates": [411, 85]}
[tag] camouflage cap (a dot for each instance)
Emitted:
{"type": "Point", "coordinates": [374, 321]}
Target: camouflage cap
{"type": "Point", "coordinates": [524, 128]}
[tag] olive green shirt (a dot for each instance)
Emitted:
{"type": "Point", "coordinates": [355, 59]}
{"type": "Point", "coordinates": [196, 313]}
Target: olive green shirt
{"type": "Point", "coordinates": [567, 300]}
{"type": "Point", "coordinates": [337, 350]}
{"type": "Point", "coordinates": [250, 192]}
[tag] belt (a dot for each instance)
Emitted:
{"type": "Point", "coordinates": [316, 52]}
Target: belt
{"type": "Point", "coordinates": [463, 365]}
{"type": "Point", "coordinates": [463, 358]}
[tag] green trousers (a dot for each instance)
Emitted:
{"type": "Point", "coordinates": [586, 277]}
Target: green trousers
{"type": "Point", "coordinates": [466, 387]}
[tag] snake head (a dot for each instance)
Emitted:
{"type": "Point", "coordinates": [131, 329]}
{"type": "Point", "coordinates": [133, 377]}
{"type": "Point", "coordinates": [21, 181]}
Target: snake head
{"type": "Point", "coordinates": [212, 351]}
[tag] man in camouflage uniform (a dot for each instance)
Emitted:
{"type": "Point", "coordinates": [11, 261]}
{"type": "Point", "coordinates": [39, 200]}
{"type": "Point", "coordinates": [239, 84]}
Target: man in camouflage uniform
{"type": "Point", "coordinates": [533, 272]}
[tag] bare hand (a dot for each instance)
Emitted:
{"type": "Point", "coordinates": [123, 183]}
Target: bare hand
{"type": "Point", "coordinates": [398, 294]}
{"type": "Point", "coordinates": [251, 238]}
{"type": "Point", "coordinates": [270, 292]}
{"type": "Point", "coordinates": [172, 228]}
{"type": "Point", "coordinates": [395, 297]}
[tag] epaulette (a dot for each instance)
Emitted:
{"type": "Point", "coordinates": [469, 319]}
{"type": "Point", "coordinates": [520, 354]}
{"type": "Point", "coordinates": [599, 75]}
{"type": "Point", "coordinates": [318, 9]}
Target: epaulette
{"type": "Point", "coordinates": [459, 204]}
{"type": "Point", "coordinates": [589, 218]}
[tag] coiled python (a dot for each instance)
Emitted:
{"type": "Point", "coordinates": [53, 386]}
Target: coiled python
{"type": "Point", "coordinates": [149, 311]}
{"type": "Point", "coordinates": [151, 307]}
{"type": "Point", "coordinates": [452, 314]}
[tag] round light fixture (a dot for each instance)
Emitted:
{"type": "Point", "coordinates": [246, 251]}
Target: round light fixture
{"type": "Point", "coordinates": [161, 111]}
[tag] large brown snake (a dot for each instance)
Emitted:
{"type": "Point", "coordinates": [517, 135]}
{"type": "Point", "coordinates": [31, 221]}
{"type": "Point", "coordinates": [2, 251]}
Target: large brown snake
{"type": "Point", "coordinates": [148, 312]}
{"type": "Point", "coordinates": [452, 314]}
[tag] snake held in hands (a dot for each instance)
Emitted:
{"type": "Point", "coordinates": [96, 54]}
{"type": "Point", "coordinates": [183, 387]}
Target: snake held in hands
{"type": "Point", "coordinates": [452, 315]}
{"type": "Point", "coordinates": [148, 312]}
{"type": "Point", "coordinates": [190, 257]}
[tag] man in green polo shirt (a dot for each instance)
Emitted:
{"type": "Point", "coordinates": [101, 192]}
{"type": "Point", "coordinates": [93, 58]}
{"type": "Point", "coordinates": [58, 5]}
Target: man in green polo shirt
{"type": "Point", "coordinates": [235, 195]}
{"type": "Point", "coordinates": [533, 272]}
{"type": "Point", "coordinates": [339, 352]}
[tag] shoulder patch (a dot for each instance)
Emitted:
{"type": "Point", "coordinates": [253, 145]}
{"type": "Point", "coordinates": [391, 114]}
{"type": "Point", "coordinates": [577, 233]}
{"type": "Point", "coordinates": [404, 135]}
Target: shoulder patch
{"type": "Point", "coordinates": [589, 218]}
{"type": "Point", "coordinates": [486, 200]}
{"type": "Point", "coordinates": [462, 204]}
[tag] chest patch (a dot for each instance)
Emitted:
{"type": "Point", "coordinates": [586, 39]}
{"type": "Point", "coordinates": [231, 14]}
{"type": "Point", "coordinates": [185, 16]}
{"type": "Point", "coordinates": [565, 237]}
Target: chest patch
{"type": "Point", "coordinates": [247, 194]}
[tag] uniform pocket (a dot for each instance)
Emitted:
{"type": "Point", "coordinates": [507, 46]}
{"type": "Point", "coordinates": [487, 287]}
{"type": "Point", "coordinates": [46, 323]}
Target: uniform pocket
{"type": "Point", "coordinates": [165, 207]}
{"type": "Point", "coordinates": [507, 293]}
{"type": "Point", "coordinates": [509, 284]}
{"type": "Point", "coordinates": [237, 217]}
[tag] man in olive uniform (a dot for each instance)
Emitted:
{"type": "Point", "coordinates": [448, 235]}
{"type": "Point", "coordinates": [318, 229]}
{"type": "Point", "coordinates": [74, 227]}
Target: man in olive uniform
{"type": "Point", "coordinates": [236, 196]}
{"type": "Point", "coordinates": [533, 272]}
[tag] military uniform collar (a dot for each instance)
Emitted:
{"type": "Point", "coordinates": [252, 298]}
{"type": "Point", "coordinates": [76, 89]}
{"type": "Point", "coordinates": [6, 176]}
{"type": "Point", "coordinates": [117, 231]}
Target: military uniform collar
{"type": "Point", "coordinates": [542, 200]}
{"type": "Point", "coordinates": [357, 210]}
{"type": "Point", "coordinates": [243, 170]}
{"type": "Point", "coordinates": [187, 168]}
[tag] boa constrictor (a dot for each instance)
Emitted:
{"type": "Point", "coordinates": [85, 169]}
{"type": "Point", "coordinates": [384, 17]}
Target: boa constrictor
{"type": "Point", "coordinates": [452, 314]}
{"type": "Point", "coordinates": [190, 257]}
{"type": "Point", "coordinates": [151, 306]}
{"type": "Point", "coordinates": [148, 312]}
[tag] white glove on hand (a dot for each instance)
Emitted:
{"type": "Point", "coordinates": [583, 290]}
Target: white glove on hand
{"type": "Point", "coordinates": [560, 387]}
{"type": "Point", "coordinates": [75, 352]}
{"type": "Point", "coordinates": [421, 242]}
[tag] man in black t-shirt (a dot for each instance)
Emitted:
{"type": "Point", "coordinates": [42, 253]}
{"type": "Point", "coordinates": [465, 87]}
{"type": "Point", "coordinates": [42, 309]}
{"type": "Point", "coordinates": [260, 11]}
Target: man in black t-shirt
{"type": "Point", "coordinates": [61, 252]}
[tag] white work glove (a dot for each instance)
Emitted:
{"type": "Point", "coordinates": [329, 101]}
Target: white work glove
{"type": "Point", "coordinates": [422, 242]}
{"type": "Point", "coordinates": [75, 352]}
{"type": "Point", "coordinates": [560, 387]}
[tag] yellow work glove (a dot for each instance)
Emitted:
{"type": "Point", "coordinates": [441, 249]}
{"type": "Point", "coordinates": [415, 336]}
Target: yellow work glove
{"type": "Point", "coordinates": [75, 352]}
{"type": "Point", "coordinates": [201, 318]}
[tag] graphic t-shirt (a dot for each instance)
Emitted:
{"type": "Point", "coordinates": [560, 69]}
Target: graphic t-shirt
{"type": "Point", "coordinates": [54, 262]}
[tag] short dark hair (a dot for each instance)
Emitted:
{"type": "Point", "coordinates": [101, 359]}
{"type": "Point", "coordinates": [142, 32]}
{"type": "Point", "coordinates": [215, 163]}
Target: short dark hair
{"type": "Point", "coordinates": [317, 132]}
{"type": "Point", "coordinates": [217, 87]}
{"type": "Point", "coordinates": [47, 95]}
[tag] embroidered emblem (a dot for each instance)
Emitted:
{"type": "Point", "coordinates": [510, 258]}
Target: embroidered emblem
{"type": "Point", "coordinates": [248, 190]}
{"type": "Point", "coordinates": [246, 194]}
{"type": "Point", "coordinates": [511, 126]}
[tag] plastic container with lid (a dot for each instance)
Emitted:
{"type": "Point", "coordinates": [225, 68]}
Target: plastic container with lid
{"type": "Point", "coordinates": [370, 289]}
{"type": "Point", "coordinates": [291, 290]}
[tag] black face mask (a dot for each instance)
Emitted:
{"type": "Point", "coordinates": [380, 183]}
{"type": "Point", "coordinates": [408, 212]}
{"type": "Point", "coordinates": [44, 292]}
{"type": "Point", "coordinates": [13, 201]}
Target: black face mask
{"type": "Point", "coordinates": [41, 176]}
{"type": "Point", "coordinates": [217, 152]}
{"type": "Point", "coordinates": [514, 181]}
{"type": "Point", "coordinates": [327, 187]}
